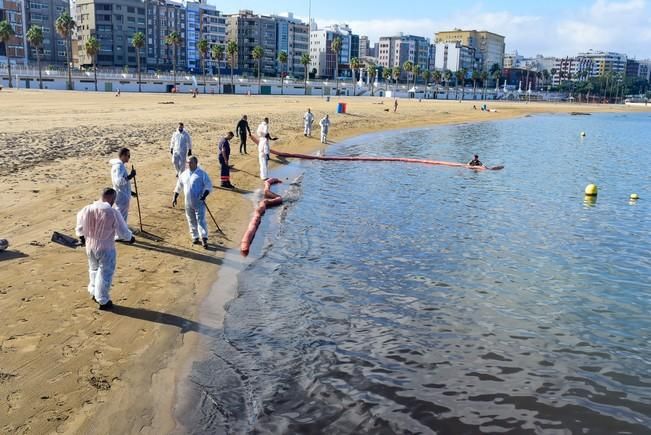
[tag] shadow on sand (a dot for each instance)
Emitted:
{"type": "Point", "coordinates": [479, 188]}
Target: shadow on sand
{"type": "Point", "coordinates": [185, 325]}
{"type": "Point", "coordinates": [185, 253]}
{"type": "Point", "coordinates": [11, 255]}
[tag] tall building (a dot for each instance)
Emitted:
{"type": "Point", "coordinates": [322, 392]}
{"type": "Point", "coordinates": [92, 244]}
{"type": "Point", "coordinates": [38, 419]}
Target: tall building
{"type": "Point", "coordinates": [292, 37]}
{"type": "Point", "coordinates": [250, 31]}
{"type": "Point", "coordinates": [204, 21]}
{"type": "Point", "coordinates": [163, 18]}
{"type": "Point", "coordinates": [16, 48]}
{"type": "Point", "coordinates": [604, 62]}
{"type": "Point", "coordinates": [454, 57]}
{"type": "Point", "coordinates": [488, 46]}
{"type": "Point", "coordinates": [572, 68]}
{"type": "Point", "coordinates": [394, 51]}
{"type": "Point", "coordinates": [322, 57]}
{"type": "Point", "coordinates": [113, 24]}
{"type": "Point", "coordinates": [364, 46]}
{"type": "Point", "coordinates": [44, 13]}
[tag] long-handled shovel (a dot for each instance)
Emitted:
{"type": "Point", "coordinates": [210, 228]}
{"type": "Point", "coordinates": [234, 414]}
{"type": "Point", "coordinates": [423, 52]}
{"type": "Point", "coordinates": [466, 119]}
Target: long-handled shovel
{"type": "Point", "coordinates": [213, 218]}
{"type": "Point", "coordinates": [135, 186]}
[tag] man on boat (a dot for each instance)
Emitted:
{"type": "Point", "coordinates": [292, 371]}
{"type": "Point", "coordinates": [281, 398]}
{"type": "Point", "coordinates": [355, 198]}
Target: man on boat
{"type": "Point", "coordinates": [475, 161]}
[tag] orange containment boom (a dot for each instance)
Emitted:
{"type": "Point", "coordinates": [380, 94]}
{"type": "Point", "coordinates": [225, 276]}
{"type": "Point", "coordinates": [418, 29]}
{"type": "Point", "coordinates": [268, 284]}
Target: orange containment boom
{"type": "Point", "coordinates": [271, 199]}
{"type": "Point", "coordinates": [385, 159]}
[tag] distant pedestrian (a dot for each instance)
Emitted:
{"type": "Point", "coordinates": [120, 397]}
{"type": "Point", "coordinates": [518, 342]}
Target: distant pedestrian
{"type": "Point", "coordinates": [180, 148]}
{"type": "Point", "coordinates": [308, 120]}
{"type": "Point", "coordinates": [395, 105]}
{"type": "Point", "coordinates": [325, 127]}
{"type": "Point", "coordinates": [224, 150]}
{"type": "Point", "coordinates": [98, 225]}
{"type": "Point", "coordinates": [243, 130]}
{"type": "Point", "coordinates": [196, 186]}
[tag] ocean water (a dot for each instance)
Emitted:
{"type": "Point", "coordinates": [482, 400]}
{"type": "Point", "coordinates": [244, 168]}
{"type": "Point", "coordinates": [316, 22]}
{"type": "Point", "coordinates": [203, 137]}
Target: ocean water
{"type": "Point", "coordinates": [405, 298]}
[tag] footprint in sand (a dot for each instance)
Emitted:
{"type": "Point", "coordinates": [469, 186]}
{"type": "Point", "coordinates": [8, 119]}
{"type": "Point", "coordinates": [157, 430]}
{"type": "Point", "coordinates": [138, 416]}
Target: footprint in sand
{"type": "Point", "coordinates": [13, 401]}
{"type": "Point", "coordinates": [21, 343]}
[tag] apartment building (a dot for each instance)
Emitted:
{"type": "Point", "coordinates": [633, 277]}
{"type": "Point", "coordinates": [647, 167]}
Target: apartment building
{"type": "Point", "coordinates": [249, 31]}
{"type": "Point", "coordinates": [323, 59]}
{"type": "Point", "coordinates": [394, 51]}
{"type": "Point", "coordinates": [204, 21]}
{"type": "Point", "coordinates": [489, 47]}
{"type": "Point", "coordinates": [292, 37]}
{"type": "Point", "coordinates": [163, 18]}
{"type": "Point", "coordinates": [44, 13]}
{"type": "Point", "coordinates": [454, 57]}
{"type": "Point", "coordinates": [113, 23]}
{"type": "Point", "coordinates": [16, 48]}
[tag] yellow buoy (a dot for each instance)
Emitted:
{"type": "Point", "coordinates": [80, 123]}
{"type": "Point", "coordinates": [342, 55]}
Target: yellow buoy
{"type": "Point", "coordinates": [591, 190]}
{"type": "Point", "coordinates": [634, 196]}
{"type": "Point", "coordinates": [583, 134]}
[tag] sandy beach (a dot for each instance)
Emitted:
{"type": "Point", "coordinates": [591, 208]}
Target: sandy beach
{"type": "Point", "coordinates": [66, 367]}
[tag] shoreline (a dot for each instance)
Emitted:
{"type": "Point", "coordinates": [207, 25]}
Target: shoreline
{"type": "Point", "coordinates": [126, 362]}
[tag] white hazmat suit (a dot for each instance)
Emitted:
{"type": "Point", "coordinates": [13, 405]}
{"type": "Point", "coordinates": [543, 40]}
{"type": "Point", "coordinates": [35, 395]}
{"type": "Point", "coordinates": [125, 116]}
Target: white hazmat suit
{"type": "Point", "coordinates": [180, 146]}
{"type": "Point", "coordinates": [194, 184]}
{"type": "Point", "coordinates": [263, 149]}
{"type": "Point", "coordinates": [122, 185]}
{"type": "Point", "coordinates": [308, 120]}
{"type": "Point", "coordinates": [325, 126]}
{"type": "Point", "coordinates": [99, 223]}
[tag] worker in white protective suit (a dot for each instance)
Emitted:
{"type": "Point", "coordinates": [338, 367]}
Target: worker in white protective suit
{"type": "Point", "coordinates": [180, 148]}
{"type": "Point", "coordinates": [325, 127]}
{"type": "Point", "coordinates": [98, 224]}
{"type": "Point", "coordinates": [196, 186]}
{"type": "Point", "coordinates": [121, 180]}
{"type": "Point", "coordinates": [263, 147]}
{"type": "Point", "coordinates": [308, 120]}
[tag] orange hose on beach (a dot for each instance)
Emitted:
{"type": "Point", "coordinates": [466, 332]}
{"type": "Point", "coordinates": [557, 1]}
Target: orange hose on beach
{"type": "Point", "coordinates": [271, 199]}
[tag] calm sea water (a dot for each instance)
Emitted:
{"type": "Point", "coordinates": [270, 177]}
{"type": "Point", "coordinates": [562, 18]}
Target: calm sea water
{"type": "Point", "coordinates": [402, 298]}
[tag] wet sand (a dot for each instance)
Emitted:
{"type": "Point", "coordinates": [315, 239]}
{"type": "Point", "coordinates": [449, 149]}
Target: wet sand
{"type": "Point", "coordinates": [67, 367]}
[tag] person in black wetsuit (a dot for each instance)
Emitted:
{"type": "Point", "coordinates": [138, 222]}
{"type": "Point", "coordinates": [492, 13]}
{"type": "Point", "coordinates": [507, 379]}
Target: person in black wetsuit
{"type": "Point", "coordinates": [242, 130]}
{"type": "Point", "coordinates": [475, 161]}
{"type": "Point", "coordinates": [224, 155]}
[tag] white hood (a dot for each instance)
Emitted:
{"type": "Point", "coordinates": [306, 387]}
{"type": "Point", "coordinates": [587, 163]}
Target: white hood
{"type": "Point", "coordinates": [114, 162]}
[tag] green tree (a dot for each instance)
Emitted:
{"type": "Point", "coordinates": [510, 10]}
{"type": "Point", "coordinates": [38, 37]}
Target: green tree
{"type": "Point", "coordinates": [436, 77]}
{"type": "Point", "coordinates": [218, 54]}
{"type": "Point", "coordinates": [484, 83]}
{"type": "Point", "coordinates": [354, 66]}
{"type": "Point", "coordinates": [461, 77]}
{"type": "Point", "coordinates": [395, 74]}
{"type": "Point", "coordinates": [35, 38]}
{"type": "Point", "coordinates": [203, 46]}
{"type": "Point", "coordinates": [475, 77]}
{"type": "Point", "coordinates": [447, 75]}
{"type": "Point", "coordinates": [92, 48]}
{"type": "Point", "coordinates": [336, 49]}
{"type": "Point", "coordinates": [258, 54]}
{"type": "Point", "coordinates": [138, 42]}
{"type": "Point", "coordinates": [231, 50]}
{"type": "Point", "coordinates": [6, 33]}
{"type": "Point", "coordinates": [372, 72]}
{"type": "Point", "coordinates": [173, 40]}
{"type": "Point", "coordinates": [386, 75]}
{"type": "Point", "coordinates": [496, 76]}
{"type": "Point", "coordinates": [305, 61]}
{"type": "Point", "coordinates": [408, 67]}
{"type": "Point", "coordinates": [65, 25]}
{"type": "Point", "coordinates": [415, 71]}
{"type": "Point", "coordinates": [427, 76]}
{"type": "Point", "coordinates": [282, 58]}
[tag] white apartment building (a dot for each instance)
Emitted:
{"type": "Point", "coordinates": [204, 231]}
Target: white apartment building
{"type": "Point", "coordinates": [454, 56]}
{"type": "Point", "coordinates": [321, 55]}
{"type": "Point", "coordinates": [394, 51]}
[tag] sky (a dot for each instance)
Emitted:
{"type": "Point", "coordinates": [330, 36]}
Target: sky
{"type": "Point", "coordinates": [550, 27]}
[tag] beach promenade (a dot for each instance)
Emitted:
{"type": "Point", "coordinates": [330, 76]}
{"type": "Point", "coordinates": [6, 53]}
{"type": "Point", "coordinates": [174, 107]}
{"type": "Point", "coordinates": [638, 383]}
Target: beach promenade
{"type": "Point", "coordinates": [66, 367]}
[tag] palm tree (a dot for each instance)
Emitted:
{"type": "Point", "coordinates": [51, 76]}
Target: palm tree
{"type": "Point", "coordinates": [464, 73]}
{"type": "Point", "coordinates": [447, 75]}
{"type": "Point", "coordinates": [415, 71]}
{"type": "Point", "coordinates": [92, 48]}
{"type": "Point", "coordinates": [475, 76]}
{"type": "Point", "coordinates": [395, 74]}
{"type": "Point", "coordinates": [173, 39]}
{"type": "Point", "coordinates": [65, 25]}
{"type": "Point", "coordinates": [35, 38]}
{"type": "Point", "coordinates": [138, 42]}
{"type": "Point", "coordinates": [545, 74]}
{"type": "Point", "coordinates": [386, 75]}
{"type": "Point", "coordinates": [282, 58]}
{"type": "Point", "coordinates": [203, 48]}
{"type": "Point", "coordinates": [231, 49]}
{"type": "Point", "coordinates": [484, 83]}
{"type": "Point", "coordinates": [6, 33]}
{"type": "Point", "coordinates": [496, 76]}
{"type": "Point", "coordinates": [458, 77]}
{"type": "Point", "coordinates": [336, 49]}
{"type": "Point", "coordinates": [553, 73]}
{"type": "Point", "coordinates": [305, 61]}
{"type": "Point", "coordinates": [258, 53]}
{"type": "Point", "coordinates": [408, 67]}
{"type": "Point", "coordinates": [354, 65]}
{"type": "Point", "coordinates": [436, 77]}
{"type": "Point", "coordinates": [426, 75]}
{"type": "Point", "coordinates": [218, 55]}
{"type": "Point", "coordinates": [372, 72]}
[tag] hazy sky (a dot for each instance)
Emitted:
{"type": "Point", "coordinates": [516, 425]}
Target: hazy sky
{"type": "Point", "coordinates": [549, 27]}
